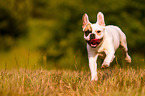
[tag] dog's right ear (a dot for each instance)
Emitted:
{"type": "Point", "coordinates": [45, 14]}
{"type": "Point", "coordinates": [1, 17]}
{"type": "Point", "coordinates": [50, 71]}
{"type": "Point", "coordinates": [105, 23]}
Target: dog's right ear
{"type": "Point", "coordinates": [85, 21]}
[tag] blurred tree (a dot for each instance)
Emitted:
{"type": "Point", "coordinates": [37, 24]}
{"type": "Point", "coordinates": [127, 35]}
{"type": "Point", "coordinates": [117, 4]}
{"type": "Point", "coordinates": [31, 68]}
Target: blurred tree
{"type": "Point", "coordinates": [39, 9]}
{"type": "Point", "coordinates": [65, 46]}
{"type": "Point", "coordinates": [13, 21]}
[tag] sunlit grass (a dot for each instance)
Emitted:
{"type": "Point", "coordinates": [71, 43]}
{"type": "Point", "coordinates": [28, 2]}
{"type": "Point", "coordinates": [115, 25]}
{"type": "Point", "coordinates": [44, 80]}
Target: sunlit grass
{"type": "Point", "coordinates": [112, 82]}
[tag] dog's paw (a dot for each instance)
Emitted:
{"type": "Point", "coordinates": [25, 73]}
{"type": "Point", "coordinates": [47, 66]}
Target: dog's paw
{"type": "Point", "coordinates": [128, 59]}
{"type": "Point", "coordinates": [94, 78]}
{"type": "Point", "coordinates": [104, 66]}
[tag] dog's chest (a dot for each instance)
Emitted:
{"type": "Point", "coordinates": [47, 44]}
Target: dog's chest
{"type": "Point", "coordinates": [102, 50]}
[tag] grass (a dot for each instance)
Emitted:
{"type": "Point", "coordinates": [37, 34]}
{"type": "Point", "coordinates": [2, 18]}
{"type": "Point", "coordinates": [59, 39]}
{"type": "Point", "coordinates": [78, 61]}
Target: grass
{"type": "Point", "coordinates": [112, 82]}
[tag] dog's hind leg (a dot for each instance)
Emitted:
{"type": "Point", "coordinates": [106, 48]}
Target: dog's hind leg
{"type": "Point", "coordinates": [123, 45]}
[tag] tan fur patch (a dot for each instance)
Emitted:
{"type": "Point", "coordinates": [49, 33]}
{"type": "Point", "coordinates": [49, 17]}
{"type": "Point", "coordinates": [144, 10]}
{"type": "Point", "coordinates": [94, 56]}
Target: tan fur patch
{"type": "Point", "coordinates": [88, 27]}
{"type": "Point", "coordinates": [98, 33]}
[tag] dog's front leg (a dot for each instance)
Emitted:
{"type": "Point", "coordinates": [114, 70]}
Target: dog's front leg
{"type": "Point", "coordinates": [93, 67]}
{"type": "Point", "coordinates": [108, 59]}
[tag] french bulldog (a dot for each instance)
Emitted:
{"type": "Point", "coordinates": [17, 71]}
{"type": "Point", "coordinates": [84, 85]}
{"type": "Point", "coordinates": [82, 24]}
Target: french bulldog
{"type": "Point", "coordinates": [102, 39]}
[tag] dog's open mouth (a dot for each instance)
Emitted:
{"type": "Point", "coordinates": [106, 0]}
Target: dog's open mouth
{"type": "Point", "coordinates": [94, 42]}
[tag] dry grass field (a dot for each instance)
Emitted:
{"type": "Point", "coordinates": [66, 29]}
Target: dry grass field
{"type": "Point", "coordinates": [112, 82]}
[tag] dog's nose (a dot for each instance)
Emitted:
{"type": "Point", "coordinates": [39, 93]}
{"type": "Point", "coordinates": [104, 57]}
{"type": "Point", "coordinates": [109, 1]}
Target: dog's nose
{"type": "Point", "coordinates": [92, 36]}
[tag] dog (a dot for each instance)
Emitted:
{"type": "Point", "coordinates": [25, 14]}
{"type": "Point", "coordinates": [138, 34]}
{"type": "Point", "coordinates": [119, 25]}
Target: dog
{"type": "Point", "coordinates": [102, 39]}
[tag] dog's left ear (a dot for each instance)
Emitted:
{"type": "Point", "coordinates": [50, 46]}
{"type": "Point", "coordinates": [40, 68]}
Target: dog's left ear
{"type": "Point", "coordinates": [100, 19]}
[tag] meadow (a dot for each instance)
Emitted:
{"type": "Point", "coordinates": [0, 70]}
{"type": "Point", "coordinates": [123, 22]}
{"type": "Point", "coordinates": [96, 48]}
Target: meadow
{"type": "Point", "coordinates": [113, 81]}
{"type": "Point", "coordinates": [43, 52]}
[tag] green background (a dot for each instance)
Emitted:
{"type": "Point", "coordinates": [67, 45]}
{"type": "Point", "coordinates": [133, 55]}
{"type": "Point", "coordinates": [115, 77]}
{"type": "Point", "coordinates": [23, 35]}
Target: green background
{"type": "Point", "coordinates": [48, 33]}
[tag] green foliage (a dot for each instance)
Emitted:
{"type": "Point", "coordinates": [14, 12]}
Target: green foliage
{"type": "Point", "coordinates": [55, 33]}
{"type": "Point", "coordinates": [13, 21]}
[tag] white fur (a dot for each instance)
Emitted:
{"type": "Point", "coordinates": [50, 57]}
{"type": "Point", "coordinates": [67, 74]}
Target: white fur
{"type": "Point", "coordinates": [112, 36]}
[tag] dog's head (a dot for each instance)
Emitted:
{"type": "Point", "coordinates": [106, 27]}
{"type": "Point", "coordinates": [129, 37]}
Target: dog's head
{"type": "Point", "coordinates": [93, 33]}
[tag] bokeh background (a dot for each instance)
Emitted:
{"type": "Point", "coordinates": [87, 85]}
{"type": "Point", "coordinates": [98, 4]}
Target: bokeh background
{"type": "Point", "coordinates": [48, 33]}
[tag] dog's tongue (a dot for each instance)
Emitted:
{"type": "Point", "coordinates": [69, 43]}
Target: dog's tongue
{"type": "Point", "coordinates": [95, 41]}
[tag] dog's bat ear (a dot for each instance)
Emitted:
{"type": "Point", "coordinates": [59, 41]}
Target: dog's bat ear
{"type": "Point", "coordinates": [85, 19]}
{"type": "Point", "coordinates": [100, 19]}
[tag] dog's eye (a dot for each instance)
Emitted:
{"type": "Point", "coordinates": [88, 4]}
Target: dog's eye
{"type": "Point", "coordinates": [87, 33]}
{"type": "Point", "coordinates": [98, 31]}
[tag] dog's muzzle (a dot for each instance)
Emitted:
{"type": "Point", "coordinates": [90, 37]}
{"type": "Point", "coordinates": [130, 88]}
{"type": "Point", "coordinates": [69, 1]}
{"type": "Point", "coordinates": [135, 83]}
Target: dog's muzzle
{"type": "Point", "coordinates": [92, 36]}
{"type": "Point", "coordinates": [94, 42]}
